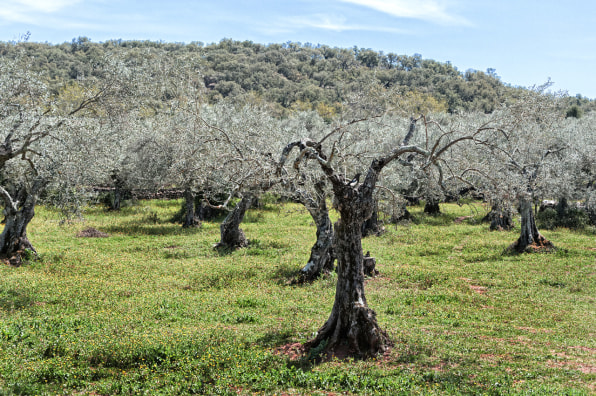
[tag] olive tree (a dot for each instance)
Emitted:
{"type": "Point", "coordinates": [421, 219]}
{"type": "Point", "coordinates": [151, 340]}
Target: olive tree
{"type": "Point", "coordinates": [42, 141]}
{"type": "Point", "coordinates": [243, 140]}
{"type": "Point", "coordinates": [352, 325]}
{"type": "Point", "coordinates": [523, 156]}
{"type": "Point", "coordinates": [310, 189]}
{"type": "Point", "coordinates": [572, 179]}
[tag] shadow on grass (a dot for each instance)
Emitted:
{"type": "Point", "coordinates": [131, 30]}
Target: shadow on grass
{"type": "Point", "coordinates": [13, 300]}
{"type": "Point", "coordinates": [441, 219]}
{"type": "Point", "coordinates": [140, 228]}
{"type": "Point", "coordinates": [284, 275]}
{"type": "Point", "coordinates": [275, 338]}
{"type": "Point", "coordinates": [223, 251]}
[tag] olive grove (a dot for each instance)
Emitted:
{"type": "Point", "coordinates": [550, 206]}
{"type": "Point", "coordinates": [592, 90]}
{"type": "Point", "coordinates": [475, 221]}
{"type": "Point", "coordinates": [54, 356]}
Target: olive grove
{"type": "Point", "coordinates": [150, 122]}
{"type": "Point", "coordinates": [49, 141]}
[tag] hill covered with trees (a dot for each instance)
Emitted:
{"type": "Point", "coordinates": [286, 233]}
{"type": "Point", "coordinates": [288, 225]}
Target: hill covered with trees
{"type": "Point", "coordinates": [294, 76]}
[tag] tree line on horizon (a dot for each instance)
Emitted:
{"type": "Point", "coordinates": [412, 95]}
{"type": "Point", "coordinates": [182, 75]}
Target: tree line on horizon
{"type": "Point", "coordinates": [293, 77]}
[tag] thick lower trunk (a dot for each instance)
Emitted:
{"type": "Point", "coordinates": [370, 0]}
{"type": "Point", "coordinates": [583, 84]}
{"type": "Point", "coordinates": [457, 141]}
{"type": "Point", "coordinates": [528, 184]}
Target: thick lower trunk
{"type": "Point", "coordinates": [232, 237]}
{"type": "Point", "coordinates": [562, 208]}
{"type": "Point", "coordinates": [352, 327]}
{"type": "Point", "coordinates": [190, 217]}
{"type": "Point", "coordinates": [500, 218]}
{"type": "Point", "coordinates": [371, 225]}
{"type": "Point", "coordinates": [370, 265]}
{"type": "Point", "coordinates": [403, 215]}
{"type": "Point", "coordinates": [117, 200]}
{"type": "Point", "coordinates": [530, 238]}
{"type": "Point", "coordinates": [119, 191]}
{"type": "Point", "coordinates": [321, 254]}
{"type": "Point", "coordinates": [432, 206]}
{"type": "Point", "coordinates": [14, 244]}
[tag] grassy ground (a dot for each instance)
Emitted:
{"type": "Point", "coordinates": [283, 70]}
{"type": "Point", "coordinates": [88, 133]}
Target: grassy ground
{"type": "Point", "coordinates": [153, 309]}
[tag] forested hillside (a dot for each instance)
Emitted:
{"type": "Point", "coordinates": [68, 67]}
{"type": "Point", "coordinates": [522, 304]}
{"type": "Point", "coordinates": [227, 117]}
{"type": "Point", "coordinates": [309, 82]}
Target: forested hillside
{"type": "Point", "coordinates": [294, 76]}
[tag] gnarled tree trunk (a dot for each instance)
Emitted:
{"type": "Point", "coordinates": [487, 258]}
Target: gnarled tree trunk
{"type": "Point", "coordinates": [232, 237]}
{"type": "Point", "coordinates": [500, 218]}
{"type": "Point", "coordinates": [432, 206]}
{"type": "Point", "coordinates": [352, 326]}
{"type": "Point", "coordinates": [120, 191]}
{"type": "Point", "coordinates": [14, 244]}
{"type": "Point", "coordinates": [371, 225]}
{"type": "Point", "coordinates": [530, 239]}
{"type": "Point", "coordinates": [190, 216]}
{"type": "Point", "coordinates": [321, 254]}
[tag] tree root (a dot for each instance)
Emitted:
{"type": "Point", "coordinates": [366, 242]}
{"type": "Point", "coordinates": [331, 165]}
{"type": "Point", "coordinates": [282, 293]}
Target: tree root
{"type": "Point", "coordinates": [543, 245]}
{"type": "Point", "coordinates": [360, 337]}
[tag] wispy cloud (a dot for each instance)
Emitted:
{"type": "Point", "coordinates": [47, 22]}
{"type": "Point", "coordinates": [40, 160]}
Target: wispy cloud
{"type": "Point", "coordinates": [27, 11]}
{"type": "Point", "coordinates": [44, 5]}
{"type": "Point", "coordinates": [435, 11]}
{"type": "Point", "coordinates": [328, 22]}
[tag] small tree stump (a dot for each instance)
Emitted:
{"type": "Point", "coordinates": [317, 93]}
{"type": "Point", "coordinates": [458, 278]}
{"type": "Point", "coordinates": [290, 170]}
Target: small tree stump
{"type": "Point", "coordinates": [370, 265]}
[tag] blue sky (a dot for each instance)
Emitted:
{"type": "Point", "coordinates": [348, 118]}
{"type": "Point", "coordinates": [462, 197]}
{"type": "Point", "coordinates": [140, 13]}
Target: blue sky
{"type": "Point", "coordinates": [526, 41]}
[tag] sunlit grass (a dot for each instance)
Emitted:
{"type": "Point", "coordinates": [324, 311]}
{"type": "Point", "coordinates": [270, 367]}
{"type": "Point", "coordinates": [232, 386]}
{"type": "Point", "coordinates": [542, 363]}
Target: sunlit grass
{"type": "Point", "coordinates": [154, 309]}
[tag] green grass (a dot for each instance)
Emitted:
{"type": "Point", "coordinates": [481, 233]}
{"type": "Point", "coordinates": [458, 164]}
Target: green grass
{"type": "Point", "coordinates": [153, 309]}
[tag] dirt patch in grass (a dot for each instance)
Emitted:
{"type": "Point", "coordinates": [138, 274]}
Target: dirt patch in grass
{"type": "Point", "coordinates": [91, 233]}
{"type": "Point", "coordinates": [461, 219]}
{"type": "Point", "coordinates": [534, 331]}
{"type": "Point", "coordinates": [296, 351]}
{"type": "Point", "coordinates": [582, 367]}
{"type": "Point", "coordinates": [293, 351]}
{"type": "Point", "coordinates": [475, 288]}
{"type": "Point", "coordinates": [479, 289]}
{"type": "Point", "coordinates": [495, 359]}
{"type": "Point", "coordinates": [541, 246]}
{"type": "Point", "coordinates": [581, 359]}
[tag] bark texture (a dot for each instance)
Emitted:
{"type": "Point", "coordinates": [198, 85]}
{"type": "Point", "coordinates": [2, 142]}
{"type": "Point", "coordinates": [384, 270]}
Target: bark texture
{"type": "Point", "coordinates": [14, 244]}
{"type": "Point", "coordinates": [500, 218]}
{"type": "Point", "coordinates": [322, 254]}
{"type": "Point", "coordinates": [530, 239]}
{"type": "Point", "coordinates": [120, 193]}
{"type": "Point", "coordinates": [191, 218]}
{"type": "Point", "coordinates": [352, 327]}
{"type": "Point", "coordinates": [232, 237]}
{"type": "Point", "coordinates": [432, 206]}
{"type": "Point", "coordinates": [370, 265]}
{"type": "Point", "coordinates": [371, 226]}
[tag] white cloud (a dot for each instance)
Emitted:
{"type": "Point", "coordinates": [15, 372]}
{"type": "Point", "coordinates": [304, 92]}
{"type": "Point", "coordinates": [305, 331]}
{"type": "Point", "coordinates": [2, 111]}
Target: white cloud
{"type": "Point", "coordinates": [327, 22]}
{"type": "Point", "coordinates": [27, 11]}
{"type": "Point", "coordinates": [427, 10]}
{"type": "Point", "coordinates": [45, 6]}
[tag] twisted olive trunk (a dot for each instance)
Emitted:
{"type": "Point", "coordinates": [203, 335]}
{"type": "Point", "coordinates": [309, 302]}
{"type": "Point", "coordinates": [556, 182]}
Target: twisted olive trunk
{"type": "Point", "coordinates": [530, 238]}
{"type": "Point", "coordinates": [432, 206]}
{"type": "Point", "coordinates": [14, 244]}
{"type": "Point", "coordinates": [321, 254]}
{"type": "Point", "coordinates": [190, 216]}
{"type": "Point", "coordinates": [500, 217]}
{"type": "Point", "coordinates": [371, 226]}
{"type": "Point", "coordinates": [352, 326]}
{"type": "Point", "coordinates": [232, 237]}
